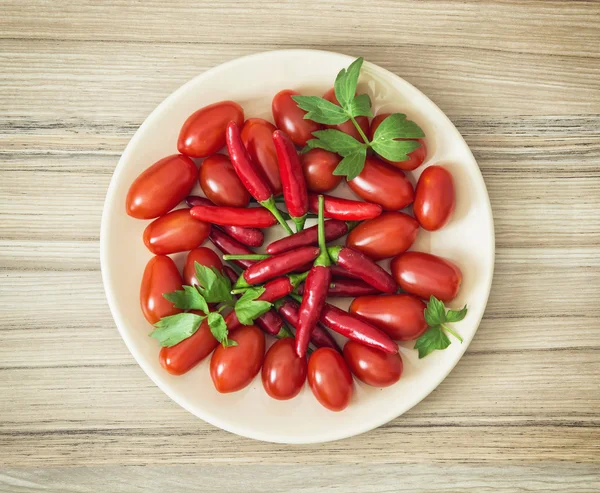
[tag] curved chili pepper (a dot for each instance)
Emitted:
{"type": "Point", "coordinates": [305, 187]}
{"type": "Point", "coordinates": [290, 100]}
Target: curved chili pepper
{"type": "Point", "coordinates": [338, 272]}
{"type": "Point", "coordinates": [228, 245]}
{"type": "Point", "coordinates": [279, 265]}
{"type": "Point", "coordinates": [354, 328]}
{"type": "Point", "coordinates": [292, 178]}
{"type": "Point", "coordinates": [271, 323]}
{"type": "Point", "coordinates": [334, 229]}
{"type": "Point", "coordinates": [359, 264]}
{"type": "Point", "coordinates": [315, 290]}
{"type": "Point", "coordinates": [252, 178]}
{"type": "Point", "coordinates": [344, 209]}
{"type": "Point", "coordinates": [255, 217]}
{"type": "Point", "coordinates": [350, 288]}
{"type": "Point", "coordinates": [320, 337]}
{"type": "Point", "coordinates": [252, 237]}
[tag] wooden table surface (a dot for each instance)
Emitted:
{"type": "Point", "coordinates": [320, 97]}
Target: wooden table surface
{"type": "Point", "coordinates": [521, 81]}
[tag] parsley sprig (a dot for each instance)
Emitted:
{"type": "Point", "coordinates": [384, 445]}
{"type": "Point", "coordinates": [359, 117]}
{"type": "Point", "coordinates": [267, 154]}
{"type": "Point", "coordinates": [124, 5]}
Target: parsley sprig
{"type": "Point", "coordinates": [213, 287]}
{"type": "Point", "coordinates": [354, 153]}
{"type": "Point", "coordinates": [437, 318]}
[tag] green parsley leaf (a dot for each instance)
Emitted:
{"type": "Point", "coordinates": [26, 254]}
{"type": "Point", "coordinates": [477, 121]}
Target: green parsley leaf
{"type": "Point", "coordinates": [456, 315]}
{"type": "Point", "coordinates": [335, 141]}
{"type": "Point", "coordinates": [320, 110]}
{"type": "Point", "coordinates": [361, 106]}
{"type": "Point", "coordinates": [433, 339]}
{"type": "Point", "coordinates": [346, 82]}
{"type": "Point", "coordinates": [396, 126]}
{"type": "Point", "coordinates": [174, 329]}
{"type": "Point", "coordinates": [248, 308]}
{"type": "Point", "coordinates": [187, 299]}
{"type": "Point", "coordinates": [395, 150]}
{"type": "Point", "coordinates": [435, 313]}
{"type": "Point", "coordinates": [352, 164]}
{"type": "Point", "coordinates": [213, 286]}
{"type": "Point", "coordinates": [218, 328]}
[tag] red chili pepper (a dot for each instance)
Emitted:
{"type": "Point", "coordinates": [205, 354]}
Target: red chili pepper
{"type": "Point", "coordinates": [292, 178]}
{"type": "Point", "coordinates": [315, 291]}
{"type": "Point", "coordinates": [251, 176]}
{"type": "Point", "coordinates": [271, 323]}
{"type": "Point", "coordinates": [279, 265]}
{"type": "Point", "coordinates": [320, 337]}
{"type": "Point", "coordinates": [338, 272]}
{"type": "Point", "coordinates": [353, 328]}
{"type": "Point", "coordinates": [234, 216]}
{"type": "Point", "coordinates": [228, 245]}
{"type": "Point", "coordinates": [334, 229]}
{"type": "Point", "coordinates": [343, 209]}
{"type": "Point", "coordinates": [252, 237]}
{"type": "Point", "coordinates": [231, 274]}
{"type": "Point", "coordinates": [359, 264]}
{"type": "Point", "coordinates": [349, 288]}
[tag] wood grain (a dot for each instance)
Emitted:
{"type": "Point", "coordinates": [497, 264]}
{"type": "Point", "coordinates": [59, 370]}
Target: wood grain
{"type": "Point", "coordinates": [520, 80]}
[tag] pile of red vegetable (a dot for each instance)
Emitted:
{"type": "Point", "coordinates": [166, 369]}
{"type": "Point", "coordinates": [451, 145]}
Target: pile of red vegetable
{"type": "Point", "coordinates": [289, 284]}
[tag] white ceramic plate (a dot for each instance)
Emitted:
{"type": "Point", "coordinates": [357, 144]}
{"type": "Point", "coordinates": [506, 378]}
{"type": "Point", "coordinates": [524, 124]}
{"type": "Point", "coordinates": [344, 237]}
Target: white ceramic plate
{"type": "Point", "coordinates": [468, 240]}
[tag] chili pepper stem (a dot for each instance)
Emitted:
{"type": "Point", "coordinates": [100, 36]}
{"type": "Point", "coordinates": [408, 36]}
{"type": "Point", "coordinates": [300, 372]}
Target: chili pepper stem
{"type": "Point", "coordinates": [352, 224]}
{"type": "Point", "coordinates": [269, 204]}
{"type": "Point", "coordinates": [299, 222]}
{"type": "Point", "coordinates": [296, 279]}
{"type": "Point", "coordinates": [323, 258]}
{"type": "Point", "coordinates": [254, 256]}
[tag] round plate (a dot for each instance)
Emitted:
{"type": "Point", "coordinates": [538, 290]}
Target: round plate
{"type": "Point", "coordinates": [468, 240]}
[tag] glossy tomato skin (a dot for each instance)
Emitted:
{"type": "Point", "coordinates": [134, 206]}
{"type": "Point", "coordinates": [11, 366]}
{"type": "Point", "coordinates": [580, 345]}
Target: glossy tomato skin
{"type": "Point", "coordinates": [425, 275]}
{"type": "Point", "coordinates": [220, 182]}
{"type": "Point", "coordinates": [372, 366]}
{"type": "Point", "coordinates": [434, 198]}
{"type": "Point", "coordinates": [177, 231]}
{"type": "Point", "coordinates": [289, 118]}
{"type": "Point", "coordinates": [283, 372]}
{"type": "Point", "coordinates": [415, 159]}
{"type": "Point", "coordinates": [348, 127]}
{"type": "Point", "coordinates": [382, 184]}
{"type": "Point", "coordinates": [401, 316]}
{"type": "Point", "coordinates": [204, 256]}
{"type": "Point", "coordinates": [203, 133]}
{"type": "Point", "coordinates": [385, 236]}
{"type": "Point", "coordinates": [160, 276]}
{"type": "Point", "coordinates": [233, 368]}
{"type": "Point", "coordinates": [257, 135]}
{"type": "Point", "coordinates": [182, 357]}
{"type": "Point", "coordinates": [318, 166]}
{"type": "Point", "coordinates": [161, 187]}
{"type": "Point", "coordinates": [330, 379]}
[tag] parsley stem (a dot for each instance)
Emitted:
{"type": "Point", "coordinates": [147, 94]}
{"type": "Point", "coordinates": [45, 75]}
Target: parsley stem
{"type": "Point", "coordinates": [360, 131]}
{"type": "Point", "coordinates": [455, 334]}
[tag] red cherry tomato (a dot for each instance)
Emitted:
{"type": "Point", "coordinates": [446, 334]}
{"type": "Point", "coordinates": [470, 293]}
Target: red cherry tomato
{"type": "Point", "coordinates": [203, 133]}
{"type": "Point", "coordinates": [257, 136]}
{"type": "Point", "coordinates": [289, 118]}
{"type": "Point", "coordinates": [175, 232]}
{"type": "Point", "coordinates": [426, 275]}
{"type": "Point", "coordinates": [348, 127]}
{"type": "Point", "coordinates": [233, 368]}
{"type": "Point", "coordinates": [160, 276]}
{"type": "Point", "coordinates": [401, 316]}
{"type": "Point", "coordinates": [382, 184]}
{"type": "Point", "coordinates": [283, 373]}
{"type": "Point", "coordinates": [318, 166]}
{"type": "Point", "coordinates": [220, 182]}
{"type": "Point", "coordinates": [434, 198]}
{"type": "Point", "coordinates": [161, 187]}
{"type": "Point", "coordinates": [415, 159]}
{"type": "Point", "coordinates": [385, 236]}
{"type": "Point", "coordinates": [330, 379]}
{"type": "Point", "coordinates": [204, 256]}
{"type": "Point", "coordinates": [372, 366]}
{"type": "Point", "coordinates": [182, 357]}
